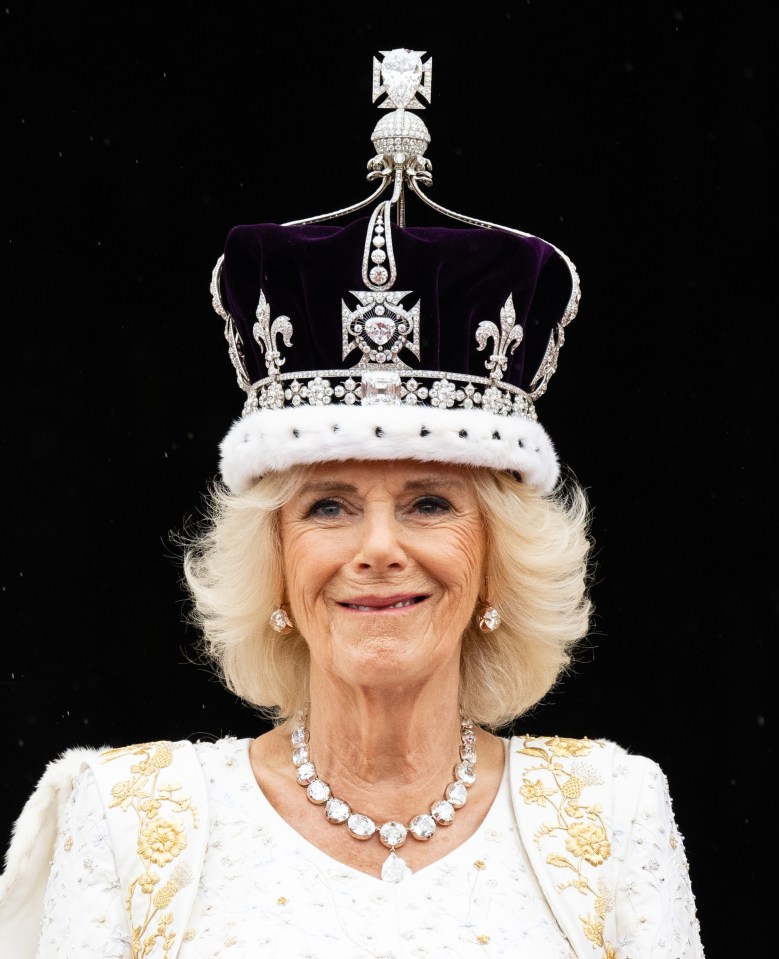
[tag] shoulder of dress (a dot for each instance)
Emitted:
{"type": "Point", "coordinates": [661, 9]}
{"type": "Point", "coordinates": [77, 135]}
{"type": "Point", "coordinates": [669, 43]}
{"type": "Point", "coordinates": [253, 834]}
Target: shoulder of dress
{"type": "Point", "coordinates": [46, 804]}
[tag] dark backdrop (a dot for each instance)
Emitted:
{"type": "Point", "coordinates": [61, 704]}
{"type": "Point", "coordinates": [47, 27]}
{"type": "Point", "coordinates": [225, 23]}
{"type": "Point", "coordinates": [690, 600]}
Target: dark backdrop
{"type": "Point", "coordinates": [634, 136]}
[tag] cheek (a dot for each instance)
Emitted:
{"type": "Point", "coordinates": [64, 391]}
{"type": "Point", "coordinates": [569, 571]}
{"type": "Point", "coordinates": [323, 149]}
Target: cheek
{"type": "Point", "coordinates": [309, 564]}
{"type": "Point", "coordinates": [460, 562]}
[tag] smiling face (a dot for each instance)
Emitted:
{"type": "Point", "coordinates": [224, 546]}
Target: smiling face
{"type": "Point", "coordinates": [383, 563]}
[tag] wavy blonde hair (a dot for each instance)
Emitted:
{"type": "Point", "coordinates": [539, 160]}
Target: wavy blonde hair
{"type": "Point", "coordinates": [538, 550]}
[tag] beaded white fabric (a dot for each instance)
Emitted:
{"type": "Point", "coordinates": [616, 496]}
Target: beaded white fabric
{"type": "Point", "coordinates": [266, 891]}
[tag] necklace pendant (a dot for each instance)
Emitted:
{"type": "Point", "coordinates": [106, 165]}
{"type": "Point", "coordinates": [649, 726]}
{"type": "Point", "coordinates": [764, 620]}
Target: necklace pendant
{"type": "Point", "coordinates": [394, 868]}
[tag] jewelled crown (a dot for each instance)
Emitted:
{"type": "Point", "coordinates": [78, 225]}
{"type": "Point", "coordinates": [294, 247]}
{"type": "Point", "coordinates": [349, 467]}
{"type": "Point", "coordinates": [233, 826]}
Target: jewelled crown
{"type": "Point", "coordinates": [379, 340]}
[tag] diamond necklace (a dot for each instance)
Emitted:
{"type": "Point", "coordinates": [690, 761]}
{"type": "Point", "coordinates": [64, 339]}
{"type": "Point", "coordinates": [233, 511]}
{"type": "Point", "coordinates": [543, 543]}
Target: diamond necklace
{"type": "Point", "coordinates": [392, 834]}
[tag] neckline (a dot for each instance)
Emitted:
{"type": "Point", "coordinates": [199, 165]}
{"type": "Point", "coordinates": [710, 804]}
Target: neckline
{"type": "Point", "coordinates": [258, 808]}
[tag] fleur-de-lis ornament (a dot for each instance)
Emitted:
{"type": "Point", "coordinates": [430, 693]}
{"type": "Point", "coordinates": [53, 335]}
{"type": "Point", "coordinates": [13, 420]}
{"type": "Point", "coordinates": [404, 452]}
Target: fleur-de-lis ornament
{"type": "Point", "coordinates": [265, 334]}
{"type": "Point", "coordinates": [509, 335]}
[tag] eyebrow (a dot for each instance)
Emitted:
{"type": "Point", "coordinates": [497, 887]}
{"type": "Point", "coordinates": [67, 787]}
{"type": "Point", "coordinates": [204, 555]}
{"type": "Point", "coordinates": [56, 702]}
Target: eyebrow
{"type": "Point", "coordinates": [416, 485]}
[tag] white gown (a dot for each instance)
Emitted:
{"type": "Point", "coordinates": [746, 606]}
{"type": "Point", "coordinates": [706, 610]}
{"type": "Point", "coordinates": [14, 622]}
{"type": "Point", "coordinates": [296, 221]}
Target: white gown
{"type": "Point", "coordinates": [579, 855]}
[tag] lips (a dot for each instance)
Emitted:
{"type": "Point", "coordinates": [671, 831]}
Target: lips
{"type": "Point", "coordinates": [377, 604]}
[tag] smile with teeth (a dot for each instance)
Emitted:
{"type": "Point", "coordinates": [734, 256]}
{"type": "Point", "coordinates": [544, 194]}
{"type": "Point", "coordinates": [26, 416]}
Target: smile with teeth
{"type": "Point", "coordinates": [400, 604]}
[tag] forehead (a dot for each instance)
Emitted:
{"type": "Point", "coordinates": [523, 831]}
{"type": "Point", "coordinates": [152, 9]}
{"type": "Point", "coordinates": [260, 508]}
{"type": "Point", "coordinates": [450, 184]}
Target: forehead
{"type": "Point", "coordinates": [395, 473]}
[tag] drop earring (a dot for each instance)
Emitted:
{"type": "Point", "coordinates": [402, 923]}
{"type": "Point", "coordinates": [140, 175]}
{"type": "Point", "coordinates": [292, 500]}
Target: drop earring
{"type": "Point", "coordinates": [280, 621]}
{"type": "Point", "coordinates": [486, 614]}
{"type": "Point", "coordinates": [489, 617]}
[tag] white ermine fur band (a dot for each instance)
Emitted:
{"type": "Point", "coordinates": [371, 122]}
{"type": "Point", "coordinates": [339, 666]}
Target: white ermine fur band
{"type": "Point", "coordinates": [274, 440]}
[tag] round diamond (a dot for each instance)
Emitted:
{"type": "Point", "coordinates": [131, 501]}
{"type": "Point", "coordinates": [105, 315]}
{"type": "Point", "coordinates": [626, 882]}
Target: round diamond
{"type": "Point", "coordinates": [318, 791]}
{"type": "Point", "coordinates": [380, 329]}
{"type": "Point", "coordinates": [422, 827]}
{"type": "Point", "coordinates": [465, 773]}
{"type": "Point", "coordinates": [337, 810]}
{"type": "Point", "coordinates": [378, 256]}
{"type": "Point", "coordinates": [300, 755]}
{"type": "Point", "coordinates": [443, 812]}
{"type": "Point", "coordinates": [490, 620]}
{"type": "Point", "coordinates": [457, 794]}
{"type": "Point", "coordinates": [468, 753]}
{"type": "Point", "coordinates": [306, 774]}
{"type": "Point", "coordinates": [361, 827]}
{"type": "Point", "coordinates": [299, 736]}
{"type": "Point", "coordinates": [469, 737]}
{"type": "Point", "coordinates": [280, 621]}
{"type": "Point", "coordinates": [393, 834]}
{"type": "Point", "coordinates": [378, 275]}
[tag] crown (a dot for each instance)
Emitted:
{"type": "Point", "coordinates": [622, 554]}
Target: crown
{"type": "Point", "coordinates": [379, 340]}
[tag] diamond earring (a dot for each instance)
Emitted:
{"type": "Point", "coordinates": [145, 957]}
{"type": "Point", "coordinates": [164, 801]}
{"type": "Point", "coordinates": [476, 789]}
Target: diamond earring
{"type": "Point", "coordinates": [280, 621]}
{"type": "Point", "coordinates": [489, 617]}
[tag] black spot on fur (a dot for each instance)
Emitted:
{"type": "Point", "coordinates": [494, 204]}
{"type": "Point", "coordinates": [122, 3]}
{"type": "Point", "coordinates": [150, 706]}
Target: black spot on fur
{"type": "Point", "coordinates": [464, 434]}
{"type": "Point", "coordinates": [424, 431]}
{"type": "Point", "coordinates": [496, 435]}
{"type": "Point", "coordinates": [379, 432]}
{"type": "Point", "coordinates": [296, 433]}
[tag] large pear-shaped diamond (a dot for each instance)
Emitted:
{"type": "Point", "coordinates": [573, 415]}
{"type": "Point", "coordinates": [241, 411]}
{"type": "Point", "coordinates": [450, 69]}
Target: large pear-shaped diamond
{"type": "Point", "coordinates": [401, 71]}
{"type": "Point", "coordinates": [380, 329]}
{"type": "Point", "coordinates": [394, 869]}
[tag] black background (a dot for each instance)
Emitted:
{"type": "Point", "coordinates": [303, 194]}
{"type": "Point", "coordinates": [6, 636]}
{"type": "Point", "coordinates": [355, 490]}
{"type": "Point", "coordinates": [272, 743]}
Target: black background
{"type": "Point", "coordinates": [633, 136]}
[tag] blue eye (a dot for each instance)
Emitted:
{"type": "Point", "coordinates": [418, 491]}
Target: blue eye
{"type": "Point", "coordinates": [430, 505]}
{"type": "Point", "coordinates": [326, 508]}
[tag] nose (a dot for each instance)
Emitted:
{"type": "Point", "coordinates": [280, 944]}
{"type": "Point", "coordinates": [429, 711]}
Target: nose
{"type": "Point", "coordinates": [379, 540]}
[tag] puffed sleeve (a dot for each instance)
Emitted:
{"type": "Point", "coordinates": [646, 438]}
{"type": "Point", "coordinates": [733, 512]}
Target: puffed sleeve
{"type": "Point", "coordinates": [654, 902]}
{"type": "Point", "coordinates": [83, 916]}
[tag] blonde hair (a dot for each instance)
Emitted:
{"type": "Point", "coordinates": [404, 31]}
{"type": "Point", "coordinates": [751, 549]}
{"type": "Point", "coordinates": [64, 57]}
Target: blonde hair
{"type": "Point", "coordinates": [537, 568]}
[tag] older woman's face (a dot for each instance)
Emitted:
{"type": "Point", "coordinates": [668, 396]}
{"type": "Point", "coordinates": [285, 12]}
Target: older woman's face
{"type": "Point", "coordinates": [383, 564]}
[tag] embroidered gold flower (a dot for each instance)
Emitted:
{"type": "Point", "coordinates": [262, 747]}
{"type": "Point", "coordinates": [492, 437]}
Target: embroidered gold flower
{"type": "Point", "coordinates": [535, 792]}
{"type": "Point", "coordinates": [161, 841]}
{"type": "Point", "coordinates": [483, 939]}
{"type": "Point", "coordinates": [480, 864]}
{"type": "Point", "coordinates": [150, 806]}
{"type": "Point", "coordinates": [588, 841]}
{"type": "Point", "coordinates": [123, 793]}
{"type": "Point", "coordinates": [68, 844]}
{"type": "Point", "coordinates": [148, 881]}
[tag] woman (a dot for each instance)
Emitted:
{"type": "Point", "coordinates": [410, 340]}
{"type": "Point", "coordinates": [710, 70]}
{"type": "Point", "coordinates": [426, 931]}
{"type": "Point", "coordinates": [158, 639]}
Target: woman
{"type": "Point", "coordinates": [394, 572]}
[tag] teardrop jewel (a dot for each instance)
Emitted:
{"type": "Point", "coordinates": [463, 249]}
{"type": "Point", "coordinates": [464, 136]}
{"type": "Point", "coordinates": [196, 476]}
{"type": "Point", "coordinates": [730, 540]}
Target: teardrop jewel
{"type": "Point", "coordinates": [394, 868]}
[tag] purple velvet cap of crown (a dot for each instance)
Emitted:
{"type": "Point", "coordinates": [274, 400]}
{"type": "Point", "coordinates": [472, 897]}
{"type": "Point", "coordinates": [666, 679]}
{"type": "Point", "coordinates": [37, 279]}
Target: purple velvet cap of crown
{"type": "Point", "coordinates": [478, 294]}
{"type": "Point", "coordinates": [460, 276]}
